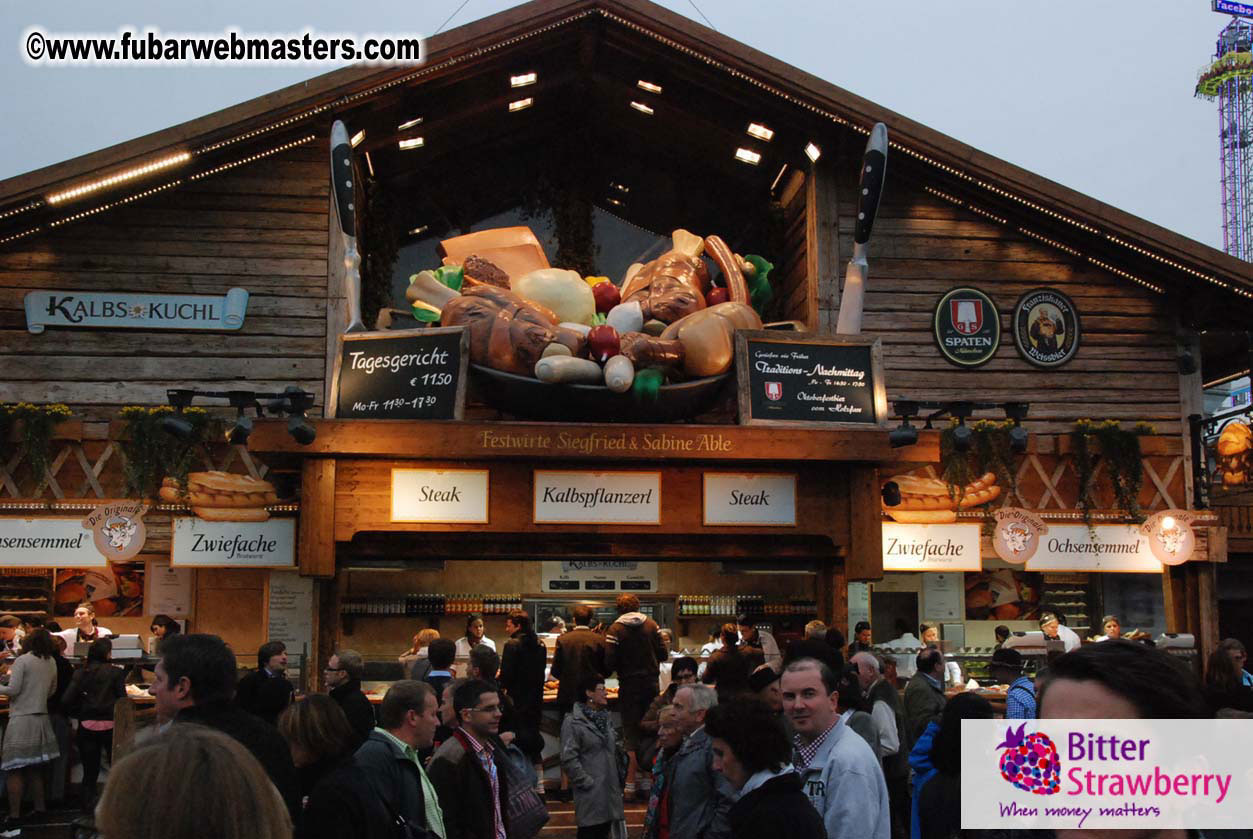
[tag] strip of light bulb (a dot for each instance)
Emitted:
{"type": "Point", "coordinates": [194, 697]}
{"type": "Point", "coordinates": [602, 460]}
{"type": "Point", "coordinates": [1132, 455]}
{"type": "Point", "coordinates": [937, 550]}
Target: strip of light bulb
{"type": "Point", "coordinates": [120, 177]}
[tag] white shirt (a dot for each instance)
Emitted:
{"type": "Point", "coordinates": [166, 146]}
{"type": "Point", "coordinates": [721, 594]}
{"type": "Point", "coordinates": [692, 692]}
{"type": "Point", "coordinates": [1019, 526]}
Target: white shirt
{"type": "Point", "coordinates": [906, 664]}
{"type": "Point", "coordinates": [885, 723]}
{"type": "Point", "coordinates": [769, 649]}
{"type": "Point", "coordinates": [71, 636]}
{"type": "Point", "coordinates": [463, 645]}
{"type": "Point", "coordinates": [1069, 637]}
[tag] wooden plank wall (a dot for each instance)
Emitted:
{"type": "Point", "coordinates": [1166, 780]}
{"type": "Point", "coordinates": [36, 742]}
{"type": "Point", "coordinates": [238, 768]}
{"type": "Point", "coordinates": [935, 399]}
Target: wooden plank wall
{"type": "Point", "coordinates": [262, 227]}
{"type": "Point", "coordinates": [923, 246]}
{"type": "Point", "coordinates": [792, 287]}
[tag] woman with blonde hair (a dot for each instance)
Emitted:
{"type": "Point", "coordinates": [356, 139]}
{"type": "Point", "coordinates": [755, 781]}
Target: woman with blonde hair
{"type": "Point", "coordinates": [188, 783]}
{"type": "Point", "coordinates": [414, 661]}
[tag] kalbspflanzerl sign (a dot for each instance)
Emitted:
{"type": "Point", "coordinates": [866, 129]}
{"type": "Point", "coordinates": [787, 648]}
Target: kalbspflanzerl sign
{"type": "Point", "coordinates": [967, 327]}
{"type": "Point", "coordinates": [567, 497]}
{"type": "Point", "coordinates": [122, 310]}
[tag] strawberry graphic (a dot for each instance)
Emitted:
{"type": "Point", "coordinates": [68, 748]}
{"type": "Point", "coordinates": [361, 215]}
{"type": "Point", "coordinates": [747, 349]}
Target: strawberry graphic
{"type": "Point", "coordinates": [1030, 763]}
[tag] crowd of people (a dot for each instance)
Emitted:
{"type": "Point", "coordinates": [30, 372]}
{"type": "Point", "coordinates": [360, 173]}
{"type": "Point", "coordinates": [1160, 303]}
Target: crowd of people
{"type": "Point", "coordinates": [823, 743]}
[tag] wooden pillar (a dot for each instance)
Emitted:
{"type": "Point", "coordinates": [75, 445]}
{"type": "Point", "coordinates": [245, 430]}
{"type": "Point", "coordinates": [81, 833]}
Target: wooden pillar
{"type": "Point", "coordinates": [317, 518]}
{"type": "Point", "coordinates": [822, 246]}
{"type": "Point", "coordinates": [865, 550]}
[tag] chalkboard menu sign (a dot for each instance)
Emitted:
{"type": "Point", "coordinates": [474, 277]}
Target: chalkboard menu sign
{"type": "Point", "coordinates": [418, 374]}
{"type": "Point", "coordinates": [788, 377]}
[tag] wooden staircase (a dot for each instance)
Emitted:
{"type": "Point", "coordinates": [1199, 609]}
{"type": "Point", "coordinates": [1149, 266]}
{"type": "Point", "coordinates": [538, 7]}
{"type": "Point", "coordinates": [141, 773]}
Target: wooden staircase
{"type": "Point", "coordinates": [561, 820]}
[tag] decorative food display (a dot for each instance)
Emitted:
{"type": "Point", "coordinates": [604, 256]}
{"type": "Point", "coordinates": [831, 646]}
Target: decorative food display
{"type": "Point", "coordinates": [667, 322]}
{"type": "Point", "coordinates": [222, 496]}
{"type": "Point", "coordinates": [932, 501]}
{"type": "Point", "coordinates": [1235, 454]}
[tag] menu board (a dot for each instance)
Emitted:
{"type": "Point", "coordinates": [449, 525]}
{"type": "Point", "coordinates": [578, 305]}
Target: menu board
{"type": "Point", "coordinates": [787, 377]}
{"type": "Point", "coordinates": [417, 374]}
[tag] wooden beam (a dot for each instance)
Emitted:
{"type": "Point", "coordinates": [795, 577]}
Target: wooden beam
{"type": "Point", "coordinates": [865, 551]}
{"type": "Point", "coordinates": [822, 245]}
{"type": "Point", "coordinates": [316, 549]}
{"type": "Point", "coordinates": [492, 440]}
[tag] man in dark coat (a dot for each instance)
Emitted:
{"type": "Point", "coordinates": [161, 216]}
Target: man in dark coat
{"type": "Point", "coordinates": [580, 653]}
{"type": "Point", "coordinates": [195, 680]}
{"type": "Point", "coordinates": [468, 769]}
{"type": "Point", "coordinates": [752, 751]}
{"type": "Point", "coordinates": [389, 758]}
{"type": "Point", "coordinates": [266, 692]}
{"type": "Point", "coordinates": [343, 678]}
{"type": "Point", "coordinates": [924, 695]}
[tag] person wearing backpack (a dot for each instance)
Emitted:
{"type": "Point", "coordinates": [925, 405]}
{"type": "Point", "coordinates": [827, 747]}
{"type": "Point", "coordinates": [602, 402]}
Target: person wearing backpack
{"type": "Point", "coordinates": [634, 650]}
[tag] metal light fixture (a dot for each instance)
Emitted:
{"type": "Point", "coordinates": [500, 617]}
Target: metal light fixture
{"type": "Point", "coordinates": [963, 435]}
{"type": "Point", "coordinates": [292, 401]}
{"type": "Point", "coordinates": [297, 403]}
{"type": "Point", "coordinates": [1017, 411]}
{"type": "Point", "coordinates": [241, 400]}
{"type": "Point", "coordinates": [177, 424]}
{"type": "Point", "coordinates": [891, 493]}
{"type": "Point", "coordinates": [906, 434]}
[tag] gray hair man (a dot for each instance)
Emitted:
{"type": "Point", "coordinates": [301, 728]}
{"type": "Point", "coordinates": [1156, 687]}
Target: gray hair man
{"type": "Point", "coordinates": [700, 797]}
{"type": "Point", "coordinates": [889, 720]}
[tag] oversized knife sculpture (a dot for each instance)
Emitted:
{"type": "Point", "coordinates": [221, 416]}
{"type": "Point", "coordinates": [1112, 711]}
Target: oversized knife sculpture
{"type": "Point", "coordinates": [870, 188]}
{"type": "Point", "coordinates": [341, 183]}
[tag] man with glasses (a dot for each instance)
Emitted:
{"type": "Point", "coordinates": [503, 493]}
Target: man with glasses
{"type": "Point", "coordinates": [343, 680]}
{"type": "Point", "coordinates": [468, 769]}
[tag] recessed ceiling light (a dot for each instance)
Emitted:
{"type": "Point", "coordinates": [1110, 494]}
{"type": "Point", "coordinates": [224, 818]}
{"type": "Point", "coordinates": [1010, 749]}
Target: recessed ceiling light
{"type": "Point", "coordinates": [614, 201]}
{"type": "Point", "coordinates": [642, 108]}
{"type": "Point", "coordinates": [522, 80]}
{"type": "Point", "coordinates": [418, 231]}
{"type": "Point", "coordinates": [747, 156]}
{"type": "Point", "coordinates": [761, 132]}
{"type": "Point", "coordinates": [412, 143]}
{"type": "Point", "coordinates": [521, 104]}
{"type": "Point", "coordinates": [813, 152]}
{"type": "Point", "coordinates": [649, 86]}
{"type": "Point", "coordinates": [357, 138]}
{"type": "Point", "coordinates": [620, 187]}
{"type": "Point", "coordinates": [405, 126]}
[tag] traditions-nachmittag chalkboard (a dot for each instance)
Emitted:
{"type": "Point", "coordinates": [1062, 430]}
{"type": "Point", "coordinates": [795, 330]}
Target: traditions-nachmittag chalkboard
{"type": "Point", "coordinates": [790, 377]}
{"type": "Point", "coordinates": [419, 374]}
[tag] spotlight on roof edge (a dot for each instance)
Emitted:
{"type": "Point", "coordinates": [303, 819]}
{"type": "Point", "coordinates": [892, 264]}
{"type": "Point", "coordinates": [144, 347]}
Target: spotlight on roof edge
{"type": "Point", "coordinates": [418, 231]}
{"type": "Point", "coordinates": [614, 201]}
{"type": "Point", "coordinates": [761, 132]}
{"type": "Point", "coordinates": [405, 126]}
{"type": "Point", "coordinates": [649, 86]}
{"type": "Point", "coordinates": [747, 156]}
{"type": "Point", "coordinates": [412, 143]}
{"type": "Point", "coordinates": [522, 80]}
{"type": "Point", "coordinates": [357, 138]}
{"type": "Point", "coordinates": [642, 108]}
{"type": "Point", "coordinates": [620, 187]}
{"type": "Point", "coordinates": [521, 104]}
{"type": "Point", "coordinates": [120, 177]}
{"type": "Point", "coordinates": [813, 152]}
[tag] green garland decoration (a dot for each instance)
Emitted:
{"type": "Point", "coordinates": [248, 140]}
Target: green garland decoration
{"type": "Point", "coordinates": [37, 424]}
{"type": "Point", "coordinates": [153, 455]}
{"type": "Point", "coordinates": [990, 451]}
{"type": "Point", "coordinates": [1119, 449]}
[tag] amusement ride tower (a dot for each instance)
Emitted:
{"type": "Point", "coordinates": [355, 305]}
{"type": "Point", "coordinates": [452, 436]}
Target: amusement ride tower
{"type": "Point", "coordinates": [1229, 80]}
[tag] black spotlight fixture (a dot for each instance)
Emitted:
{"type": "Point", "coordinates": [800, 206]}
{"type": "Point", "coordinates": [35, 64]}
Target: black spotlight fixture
{"type": "Point", "coordinates": [241, 400]}
{"type": "Point", "coordinates": [905, 434]}
{"type": "Point", "coordinates": [1017, 411]}
{"type": "Point", "coordinates": [296, 403]}
{"type": "Point", "coordinates": [176, 423]}
{"type": "Point", "coordinates": [892, 492]}
{"type": "Point", "coordinates": [963, 436]}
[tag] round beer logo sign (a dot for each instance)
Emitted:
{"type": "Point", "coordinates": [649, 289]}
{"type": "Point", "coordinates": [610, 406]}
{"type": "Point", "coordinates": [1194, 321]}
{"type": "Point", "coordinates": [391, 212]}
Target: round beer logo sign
{"type": "Point", "coordinates": [1046, 327]}
{"type": "Point", "coordinates": [967, 327]}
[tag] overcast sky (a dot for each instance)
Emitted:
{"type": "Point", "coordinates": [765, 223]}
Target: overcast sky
{"type": "Point", "coordinates": [1095, 94]}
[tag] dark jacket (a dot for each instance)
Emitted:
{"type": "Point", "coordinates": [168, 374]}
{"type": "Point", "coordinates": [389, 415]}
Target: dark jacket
{"type": "Point", "coordinates": [897, 765]}
{"type": "Point", "coordinates": [92, 691]}
{"type": "Point", "coordinates": [730, 669]}
{"type": "Point", "coordinates": [633, 647]}
{"type": "Point", "coordinates": [356, 707]}
{"type": "Point", "coordinates": [939, 807]}
{"type": "Point", "coordinates": [465, 791]}
{"type": "Point", "coordinates": [264, 695]}
{"type": "Point", "coordinates": [580, 652]}
{"type": "Point", "coordinates": [258, 737]}
{"type": "Point", "coordinates": [65, 674]}
{"type": "Point", "coordinates": [346, 802]}
{"type": "Point", "coordinates": [776, 808]}
{"type": "Point", "coordinates": [814, 648]}
{"type": "Point", "coordinates": [1238, 697]}
{"type": "Point", "coordinates": [394, 776]}
{"type": "Point", "coordinates": [924, 703]}
{"type": "Point", "coordinates": [522, 677]}
{"type": "Point", "coordinates": [700, 798]}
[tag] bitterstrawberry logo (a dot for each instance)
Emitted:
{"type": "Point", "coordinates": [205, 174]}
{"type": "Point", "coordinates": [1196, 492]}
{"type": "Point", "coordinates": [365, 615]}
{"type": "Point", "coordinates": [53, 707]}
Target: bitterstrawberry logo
{"type": "Point", "coordinates": [1030, 762]}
